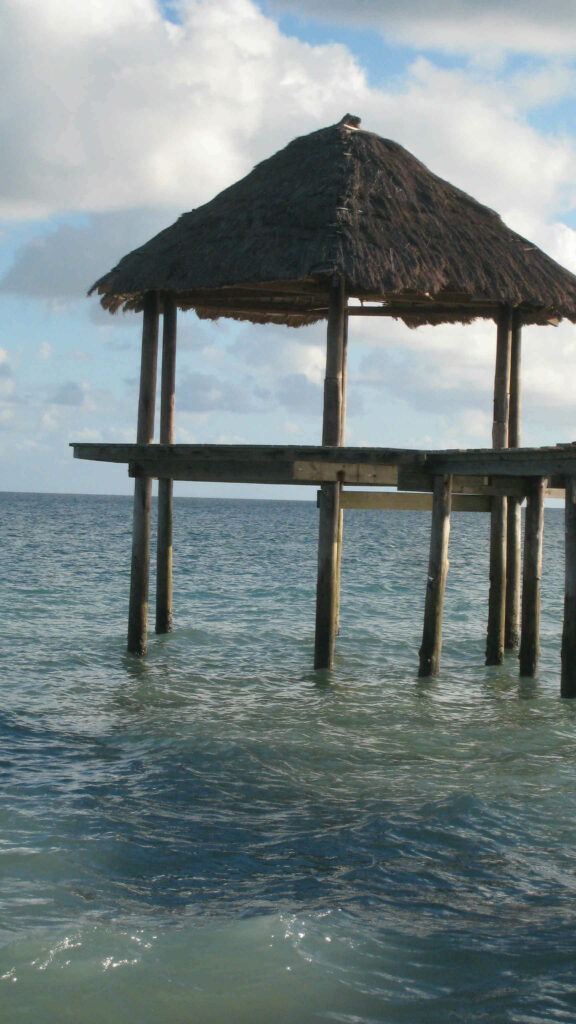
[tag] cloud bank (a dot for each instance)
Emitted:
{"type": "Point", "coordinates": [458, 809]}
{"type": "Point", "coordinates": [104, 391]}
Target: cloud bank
{"type": "Point", "coordinates": [464, 26]}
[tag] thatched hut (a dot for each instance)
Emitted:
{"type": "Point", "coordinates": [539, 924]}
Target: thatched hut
{"type": "Point", "coordinates": [343, 202]}
{"type": "Point", "coordinates": [338, 215]}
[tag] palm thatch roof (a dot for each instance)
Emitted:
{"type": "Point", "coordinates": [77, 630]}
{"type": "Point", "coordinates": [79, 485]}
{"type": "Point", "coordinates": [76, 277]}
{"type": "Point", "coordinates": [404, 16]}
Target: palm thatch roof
{"type": "Point", "coordinates": [343, 201]}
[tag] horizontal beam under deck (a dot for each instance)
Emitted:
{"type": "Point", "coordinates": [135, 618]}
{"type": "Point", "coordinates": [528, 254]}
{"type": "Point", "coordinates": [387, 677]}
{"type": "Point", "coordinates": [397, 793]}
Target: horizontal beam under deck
{"type": "Point", "coordinates": [477, 471]}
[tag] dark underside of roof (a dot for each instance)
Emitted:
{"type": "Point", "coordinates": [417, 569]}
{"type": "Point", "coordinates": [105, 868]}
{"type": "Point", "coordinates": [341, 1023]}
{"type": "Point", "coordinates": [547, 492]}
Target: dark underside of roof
{"type": "Point", "coordinates": [343, 202]}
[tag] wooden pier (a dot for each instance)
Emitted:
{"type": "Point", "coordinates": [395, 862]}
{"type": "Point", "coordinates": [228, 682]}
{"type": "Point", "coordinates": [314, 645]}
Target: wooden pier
{"type": "Point", "coordinates": [341, 225]}
{"type": "Point", "coordinates": [438, 481]}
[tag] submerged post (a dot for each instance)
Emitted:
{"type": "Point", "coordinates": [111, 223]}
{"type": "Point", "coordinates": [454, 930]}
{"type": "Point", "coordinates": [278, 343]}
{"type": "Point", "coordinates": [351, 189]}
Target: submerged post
{"type": "Point", "coordinates": [437, 572]}
{"type": "Point", "coordinates": [532, 574]}
{"type": "Point", "coordinates": [165, 486]}
{"type": "Point", "coordinates": [140, 569]}
{"type": "Point", "coordinates": [514, 522]}
{"type": "Point", "coordinates": [498, 514]}
{"type": "Point", "coordinates": [568, 678]}
{"type": "Point", "coordinates": [329, 519]}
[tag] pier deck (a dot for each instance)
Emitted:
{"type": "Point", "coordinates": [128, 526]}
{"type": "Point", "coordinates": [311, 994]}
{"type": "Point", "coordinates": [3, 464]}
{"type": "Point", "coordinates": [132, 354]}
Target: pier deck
{"type": "Point", "coordinates": [485, 471]}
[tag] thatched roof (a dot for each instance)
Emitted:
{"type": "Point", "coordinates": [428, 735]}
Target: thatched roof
{"type": "Point", "coordinates": [347, 202]}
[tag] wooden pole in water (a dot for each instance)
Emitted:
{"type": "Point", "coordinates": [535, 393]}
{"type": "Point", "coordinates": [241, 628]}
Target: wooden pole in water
{"type": "Point", "coordinates": [514, 523]}
{"type": "Point", "coordinates": [165, 486]}
{"type": "Point", "coordinates": [437, 572]}
{"type": "Point", "coordinates": [140, 570]}
{"type": "Point", "coordinates": [329, 502]}
{"type": "Point", "coordinates": [532, 574]}
{"type": "Point", "coordinates": [341, 440]}
{"type": "Point", "coordinates": [498, 515]}
{"type": "Point", "coordinates": [568, 678]}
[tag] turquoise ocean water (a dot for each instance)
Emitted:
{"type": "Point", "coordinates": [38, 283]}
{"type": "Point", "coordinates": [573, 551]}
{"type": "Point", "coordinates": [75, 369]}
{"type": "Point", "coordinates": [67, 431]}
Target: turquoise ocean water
{"type": "Point", "coordinates": [219, 834]}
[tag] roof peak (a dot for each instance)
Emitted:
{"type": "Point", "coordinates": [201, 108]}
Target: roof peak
{"type": "Point", "coordinates": [350, 121]}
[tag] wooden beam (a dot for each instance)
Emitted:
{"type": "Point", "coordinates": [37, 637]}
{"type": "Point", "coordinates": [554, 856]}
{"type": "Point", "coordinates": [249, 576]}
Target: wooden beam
{"type": "Point", "coordinates": [437, 571]}
{"type": "Point", "coordinates": [398, 308]}
{"type": "Point", "coordinates": [278, 460]}
{"type": "Point", "coordinates": [342, 472]}
{"type": "Point", "coordinates": [411, 501]}
{"type": "Point", "coordinates": [568, 677]}
{"type": "Point", "coordinates": [531, 577]}
{"type": "Point", "coordinates": [327, 598]}
{"type": "Point", "coordinates": [510, 462]}
{"type": "Point", "coordinates": [165, 485]}
{"type": "Point", "coordinates": [140, 567]}
{"type": "Point", "coordinates": [414, 480]}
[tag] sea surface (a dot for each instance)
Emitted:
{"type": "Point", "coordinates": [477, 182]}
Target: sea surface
{"type": "Point", "coordinates": [220, 835]}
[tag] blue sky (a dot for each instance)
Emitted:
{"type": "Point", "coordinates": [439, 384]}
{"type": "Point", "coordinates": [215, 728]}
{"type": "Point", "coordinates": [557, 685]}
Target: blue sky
{"type": "Point", "coordinates": [116, 117]}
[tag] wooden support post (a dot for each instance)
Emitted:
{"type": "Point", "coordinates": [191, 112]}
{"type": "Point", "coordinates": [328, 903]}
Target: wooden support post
{"type": "Point", "coordinates": [498, 515]}
{"type": "Point", "coordinates": [497, 592]}
{"type": "Point", "coordinates": [568, 678]}
{"type": "Point", "coordinates": [326, 588]}
{"type": "Point", "coordinates": [341, 440]}
{"type": "Point", "coordinates": [437, 572]}
{"type": "Point", "coordinates": [328, 577]}
{"type": "Point", "coordinates": [165, 486]}
{"type": "Point", "coordinates": [533, 532]}
{"type": "Point", "coordinates": [332, 420]}
{"type": "Point", "coordinates": [140, 570]}
{"type": "Point", "coordinates": [514, 524]}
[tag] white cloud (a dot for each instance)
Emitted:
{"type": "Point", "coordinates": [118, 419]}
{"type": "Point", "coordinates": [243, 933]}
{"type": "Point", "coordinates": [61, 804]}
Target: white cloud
{"type": "Point", "coordinates": [108, 109]}
{"type": "Point", "coordinates": [65, 261]}
{"type": "Point", "coordinates": [529, 26]}
{"type": "Point", "coordinates": [156, 118]}
{"type": "Point", "coordinates": [106, 105]}
{"type": "Point", "coordinates": [467, 127]}
{"type": "Point", "coordinates": [6, 384]}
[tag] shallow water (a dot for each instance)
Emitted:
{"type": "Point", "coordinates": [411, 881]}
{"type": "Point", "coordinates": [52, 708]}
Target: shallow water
{"type": "Point", "coordinates": [220, 834]}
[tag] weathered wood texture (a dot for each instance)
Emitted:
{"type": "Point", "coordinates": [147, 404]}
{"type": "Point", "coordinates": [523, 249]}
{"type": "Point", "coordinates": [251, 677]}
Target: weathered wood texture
{"type": "Point", "coordinates": [431, 647]}
{"type": "Point", "coordinates": [332, 418]}
{"type": "Point", "coordinates": [140, 566]}
{"type": "Point", "coordinates": [568, 677]}
{"type": "Point", "coordinates": [514, 524]}
{"type": "Point", "coordinates": [515, 406]}
{"type": "Point", "coordinates": [502, 379]}
{"type": "Point", "coordinates": [413, 502]}
{"type": "Point", "coordinates": [276, 463]}
{"type": "Point", "coordinates": [414, 480]}
{"type": "Point", "coordinates": [164, 557]}
{"type": "Point", "coordinates": [168, 378]}
{"type": "Point", "coordinates": [498, 515]}
{"type": "Point", "coordinates": [148, 370]}
{"type": "Point", "coordinates": [165, 486]}
{"type": "Point", "coordinates": [513, 573]}
{"type": "Point", "coordinates": [328, 578]}
{"type": "Point", "coordinates": [531, 577]}
{"type": "Point", "coordinates": [358, 473]}
{"type": "Point", "coordinates": [497, 591]}
{"type": "Point", "coordinates": [342, 432]}
{"type": "Point", "coordinates": [341, 438]}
